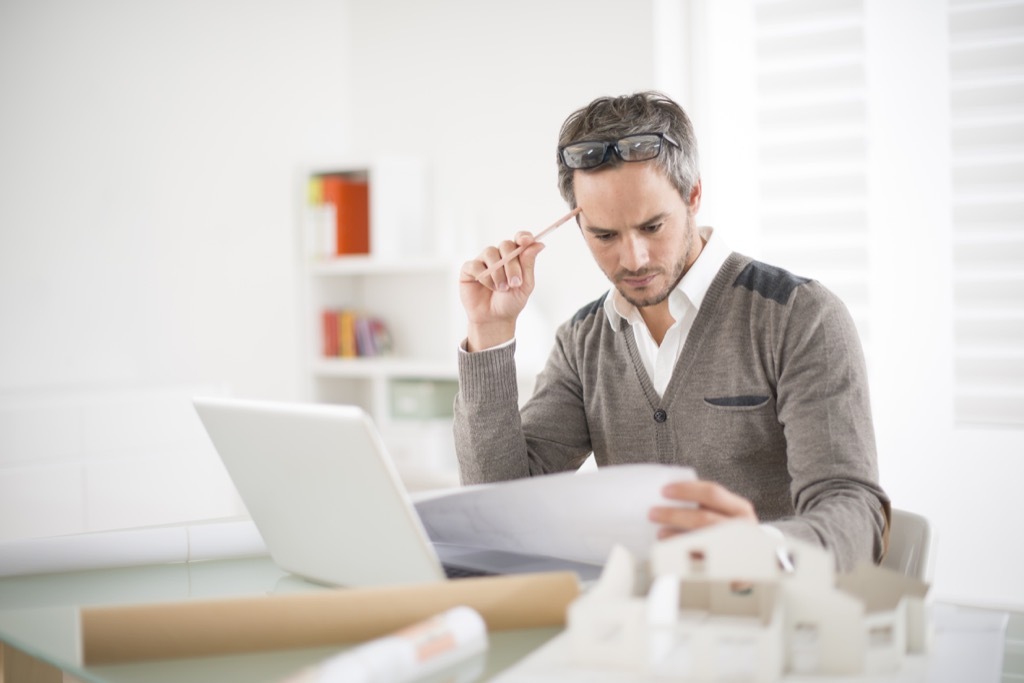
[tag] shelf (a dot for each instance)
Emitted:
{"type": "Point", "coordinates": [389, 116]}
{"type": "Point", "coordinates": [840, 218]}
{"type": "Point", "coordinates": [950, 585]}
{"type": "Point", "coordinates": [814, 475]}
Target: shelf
{"type": "Point", "coordinates": [384, 368]}
{"type": "Point", "coordinates": [408, 285]}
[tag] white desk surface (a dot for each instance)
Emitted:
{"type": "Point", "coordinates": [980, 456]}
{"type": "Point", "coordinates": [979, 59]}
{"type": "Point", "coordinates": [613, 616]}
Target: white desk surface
{"type": "Point", "coordinates": [38, 615]}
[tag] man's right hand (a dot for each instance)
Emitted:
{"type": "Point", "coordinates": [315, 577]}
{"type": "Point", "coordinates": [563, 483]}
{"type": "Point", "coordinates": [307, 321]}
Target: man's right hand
{"type": "Point", "coordinates": [494, 302]}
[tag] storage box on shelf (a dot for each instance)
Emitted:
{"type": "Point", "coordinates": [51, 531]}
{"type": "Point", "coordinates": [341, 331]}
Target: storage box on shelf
{"type": "Point", "coordinates": [396, 312]}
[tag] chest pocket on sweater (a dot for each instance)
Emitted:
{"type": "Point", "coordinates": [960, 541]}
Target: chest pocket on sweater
{"type": "Point", "coordinates": [743, 447]}
{"type": "Point", "coordinates": [745, 401]}
{"type": "Point", "coordinates": [741, 427]}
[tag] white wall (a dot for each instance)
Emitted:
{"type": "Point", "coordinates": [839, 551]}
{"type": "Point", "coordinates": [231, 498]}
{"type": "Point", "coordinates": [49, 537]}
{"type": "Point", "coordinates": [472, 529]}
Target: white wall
{"type": "Point", "coordinates": [147, 153]}
{"type": "Point", "coordinates": [146, 216]}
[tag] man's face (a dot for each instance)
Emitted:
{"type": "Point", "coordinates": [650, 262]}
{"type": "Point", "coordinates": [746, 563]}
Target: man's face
{"type": "Point", "coordinates": [642, 234]}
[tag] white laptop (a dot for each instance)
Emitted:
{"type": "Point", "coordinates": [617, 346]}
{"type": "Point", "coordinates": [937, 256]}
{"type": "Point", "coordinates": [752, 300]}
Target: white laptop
{"type": "Point", "coordinates": [328, 501]}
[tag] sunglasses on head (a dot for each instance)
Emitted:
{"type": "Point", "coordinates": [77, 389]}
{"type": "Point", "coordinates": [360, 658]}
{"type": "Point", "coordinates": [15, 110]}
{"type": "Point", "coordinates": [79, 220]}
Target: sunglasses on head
{"type": "Point", "coordinates": [593, 153]}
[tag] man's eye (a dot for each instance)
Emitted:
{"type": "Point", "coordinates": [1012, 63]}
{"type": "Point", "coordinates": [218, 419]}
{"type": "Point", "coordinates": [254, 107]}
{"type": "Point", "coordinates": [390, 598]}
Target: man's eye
{"type": "Point", "coordinates": [603, 236]}
{"type": "Point", "coordinates": [652, 228]}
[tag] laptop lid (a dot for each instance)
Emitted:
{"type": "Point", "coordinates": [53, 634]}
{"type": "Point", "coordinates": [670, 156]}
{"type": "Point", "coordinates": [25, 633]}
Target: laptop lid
{"type": "Point", "coordinates": [322, 491]}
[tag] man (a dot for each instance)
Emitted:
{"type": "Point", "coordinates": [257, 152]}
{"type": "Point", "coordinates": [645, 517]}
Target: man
{"type": "Point", "coordinates": [697, 355]}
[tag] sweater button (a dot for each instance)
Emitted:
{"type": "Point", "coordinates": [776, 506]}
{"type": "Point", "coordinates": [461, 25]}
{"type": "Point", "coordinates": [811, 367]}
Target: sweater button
{"type": "Point", "coordinates": [660, 415]}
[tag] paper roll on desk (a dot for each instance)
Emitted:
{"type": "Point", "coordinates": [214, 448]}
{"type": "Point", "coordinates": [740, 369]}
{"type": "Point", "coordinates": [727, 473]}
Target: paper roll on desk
{"type": "Point", "coordinates": [424, 648]}
{"type": "Point", "coordinates": [331, 617]}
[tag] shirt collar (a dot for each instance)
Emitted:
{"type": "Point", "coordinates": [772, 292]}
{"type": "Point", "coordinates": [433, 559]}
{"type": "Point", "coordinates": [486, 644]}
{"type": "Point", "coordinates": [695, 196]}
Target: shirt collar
{"type": "Point", "coordinates": [691, 290]}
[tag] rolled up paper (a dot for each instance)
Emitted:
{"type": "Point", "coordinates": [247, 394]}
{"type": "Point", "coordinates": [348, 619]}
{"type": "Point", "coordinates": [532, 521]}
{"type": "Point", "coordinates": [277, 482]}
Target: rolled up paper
{"type": "Point", "coordinates": [419, 650]}
{"type": "Point", "coordinates": [199, 628]}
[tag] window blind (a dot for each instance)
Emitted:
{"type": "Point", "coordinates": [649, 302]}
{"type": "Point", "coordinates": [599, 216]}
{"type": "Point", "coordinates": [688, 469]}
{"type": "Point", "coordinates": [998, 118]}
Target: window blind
{"type": "Point", "coordinates": [812, 126]}
{"type": "Point", "coordinates": [987, 110]}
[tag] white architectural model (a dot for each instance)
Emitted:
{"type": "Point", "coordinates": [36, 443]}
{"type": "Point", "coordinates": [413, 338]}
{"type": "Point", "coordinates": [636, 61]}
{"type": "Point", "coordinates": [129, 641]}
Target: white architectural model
{"type": "Point", "coordinates": [735, 602]}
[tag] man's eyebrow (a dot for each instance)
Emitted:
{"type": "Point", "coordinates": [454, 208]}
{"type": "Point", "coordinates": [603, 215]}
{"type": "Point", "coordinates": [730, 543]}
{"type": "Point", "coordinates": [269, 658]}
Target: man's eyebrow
{"type": "Point", "coordinates": [657, 218]}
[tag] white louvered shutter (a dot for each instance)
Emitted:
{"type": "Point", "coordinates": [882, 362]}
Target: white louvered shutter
{"type": "Point", "coordinates": [987, 107]}
{"type": "Point", "coordinates": [812, 110]}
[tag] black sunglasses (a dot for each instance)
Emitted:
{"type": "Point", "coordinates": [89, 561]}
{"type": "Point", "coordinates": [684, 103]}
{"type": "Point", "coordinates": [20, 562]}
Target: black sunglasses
{"type": "Point", "coordinates": [593, 153]}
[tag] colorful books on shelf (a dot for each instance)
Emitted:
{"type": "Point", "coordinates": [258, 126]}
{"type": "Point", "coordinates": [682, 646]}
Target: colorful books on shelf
{"type": "Point", "coordinates": [339, 206]}
{"type": "Point", "coordinates": [350, 334]}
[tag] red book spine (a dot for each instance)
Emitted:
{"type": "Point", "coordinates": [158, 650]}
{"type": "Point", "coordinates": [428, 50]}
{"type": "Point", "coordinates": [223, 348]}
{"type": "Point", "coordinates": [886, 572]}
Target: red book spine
{"type": "Point", "coordinates": [354, 218]}
{"type": "Point", "coordinates": [330, 334]}
{"type": "Point", "coordinates": [351, 199]}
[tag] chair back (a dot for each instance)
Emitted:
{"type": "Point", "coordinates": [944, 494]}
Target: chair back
{"type": "Point", "coordinates": [910, 545]}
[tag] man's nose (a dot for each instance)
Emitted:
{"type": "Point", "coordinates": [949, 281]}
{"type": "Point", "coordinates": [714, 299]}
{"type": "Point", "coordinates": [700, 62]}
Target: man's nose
{"type": "Point", "coordinates": [634, 253]}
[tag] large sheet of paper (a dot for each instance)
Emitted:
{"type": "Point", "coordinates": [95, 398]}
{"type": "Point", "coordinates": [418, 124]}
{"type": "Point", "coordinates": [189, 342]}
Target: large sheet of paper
{"type": "Point", "coordinates": [574, 516]}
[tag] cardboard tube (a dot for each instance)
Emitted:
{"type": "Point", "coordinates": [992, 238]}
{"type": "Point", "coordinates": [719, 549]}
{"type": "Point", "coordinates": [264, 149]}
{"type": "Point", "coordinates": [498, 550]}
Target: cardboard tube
{"type": "Point", "coordinates": [213, 627]}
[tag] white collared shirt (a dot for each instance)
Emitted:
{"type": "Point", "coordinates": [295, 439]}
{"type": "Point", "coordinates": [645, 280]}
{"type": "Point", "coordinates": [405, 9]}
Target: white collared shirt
{"type": "Point", "coordinates": [683, 304]}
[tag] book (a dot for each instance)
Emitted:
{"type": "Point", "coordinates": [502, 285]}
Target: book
{"type": "Point", "coordinates": [365, 345]}
{"type": "Point", "coordinates": [381, 336]}
{"type": "Point", "coordinates": [320, 221]}
{"type": "Point", "coordinates": [347, 333]}
{"type": "Point", "coordinates": [349, 195]}
{"type": "Point", "coordinates": [330, 333]}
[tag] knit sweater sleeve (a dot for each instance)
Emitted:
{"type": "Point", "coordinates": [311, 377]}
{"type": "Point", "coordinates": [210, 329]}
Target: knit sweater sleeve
{"type": "Point", "coordinates": [494, 441]}
{"type": "Point", "coordinates": [824, 409]}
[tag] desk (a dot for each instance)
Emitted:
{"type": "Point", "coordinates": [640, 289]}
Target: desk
{"type": "Point", "coordinates": [38, 616]}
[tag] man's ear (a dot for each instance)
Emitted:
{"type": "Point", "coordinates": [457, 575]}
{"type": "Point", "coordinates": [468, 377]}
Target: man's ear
{"type": "Point", "coordinates": [694, 203]}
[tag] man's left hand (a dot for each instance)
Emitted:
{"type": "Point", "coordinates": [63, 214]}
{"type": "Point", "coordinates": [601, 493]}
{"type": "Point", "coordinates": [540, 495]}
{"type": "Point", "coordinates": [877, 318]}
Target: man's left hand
{"type": "Point", "coordinates": [712, 503]}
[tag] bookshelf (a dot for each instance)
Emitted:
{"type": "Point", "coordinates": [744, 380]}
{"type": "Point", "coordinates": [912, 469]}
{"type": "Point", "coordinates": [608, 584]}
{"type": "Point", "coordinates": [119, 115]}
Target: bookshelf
{"type": "Point", "coordinates": [411, 290]}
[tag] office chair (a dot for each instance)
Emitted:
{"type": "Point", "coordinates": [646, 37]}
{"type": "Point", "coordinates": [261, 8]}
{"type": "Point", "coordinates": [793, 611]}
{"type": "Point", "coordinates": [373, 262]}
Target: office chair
{"type": "Point", "coordinates": [910, 545]}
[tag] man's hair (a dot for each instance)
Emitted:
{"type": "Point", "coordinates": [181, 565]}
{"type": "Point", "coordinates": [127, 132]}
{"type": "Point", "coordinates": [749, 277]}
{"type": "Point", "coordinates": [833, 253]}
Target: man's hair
{"type": "Point", "coordinates": [610, 118]}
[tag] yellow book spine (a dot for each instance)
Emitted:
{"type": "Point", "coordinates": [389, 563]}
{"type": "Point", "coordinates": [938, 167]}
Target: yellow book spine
{"type": "Point", "coordinates": [347, 334]}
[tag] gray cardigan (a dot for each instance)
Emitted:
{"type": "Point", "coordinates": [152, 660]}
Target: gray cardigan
{"type": "Point", "coordinates": [769, 397]}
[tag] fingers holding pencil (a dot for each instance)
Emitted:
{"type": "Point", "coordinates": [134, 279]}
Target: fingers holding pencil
{"type": "Point", "coordinates": [495, 286]}
{"type": "Point", "coordinates": [494, 301]}
{"type": "Point", "coordinates": [505, 265]}
{"type": "Point", "coordinates": [503, 256]}
{"type": "Point", "coordinates": [523, 240]}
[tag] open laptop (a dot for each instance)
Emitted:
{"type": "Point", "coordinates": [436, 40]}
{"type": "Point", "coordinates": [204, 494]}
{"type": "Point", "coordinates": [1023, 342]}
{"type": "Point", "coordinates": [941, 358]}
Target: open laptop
{"type": "Point", "coordinates": [328, 501]}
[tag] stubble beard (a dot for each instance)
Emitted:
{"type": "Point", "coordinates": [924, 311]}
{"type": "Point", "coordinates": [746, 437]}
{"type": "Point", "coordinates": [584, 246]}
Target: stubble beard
{"type": "Point", "coordinates": [677, 274]}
